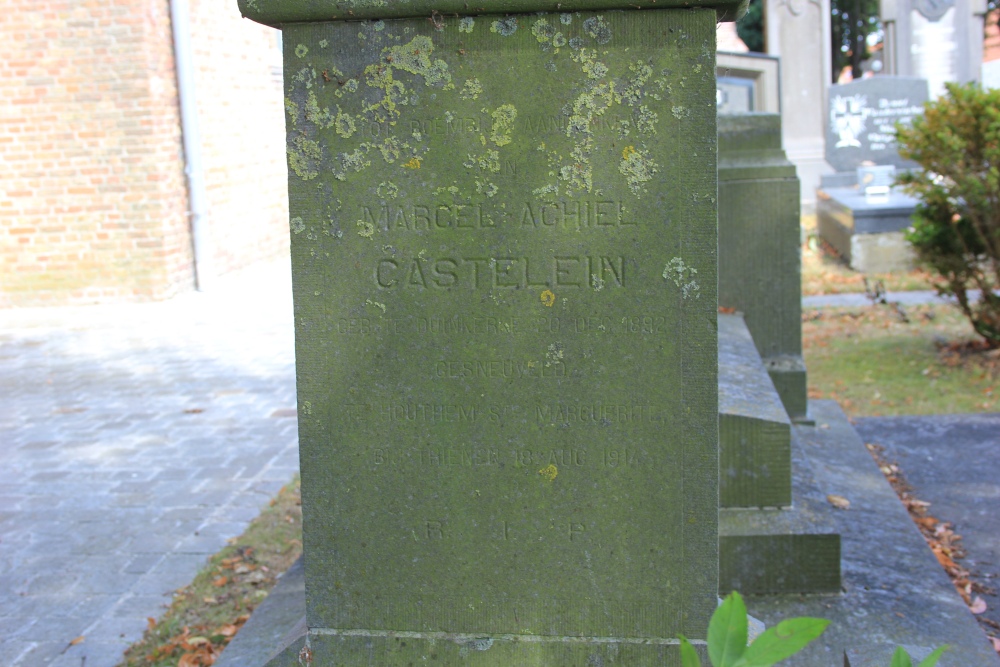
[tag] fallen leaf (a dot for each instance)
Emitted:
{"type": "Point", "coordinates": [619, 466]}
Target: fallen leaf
{"type": "Point", "coordinates": [978, 605]}
{"type": "Point", "coordinates": [228, 630]}
{"type": "Point", "coordinates": [220, 582]}
{"type": "Point", "coordinates": [150, 622]}
{"type": "Point", "coordinates": [840, 502]}
{"type": "Point", "coordinates": [78, 640]}
{"type": "Point", "coordinates": [208, 600]}
{"type": "Point", "coordinates": [996, 644]}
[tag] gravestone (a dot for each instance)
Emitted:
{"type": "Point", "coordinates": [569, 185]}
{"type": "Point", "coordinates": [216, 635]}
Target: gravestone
{"type": "Point", "coordinates": [864, 224]}
{"type": "Point", "coordinates": [747, 82]}
{"type": "Point", "coordinates": [863, 116]}
{"type": "Point", "coordinates": [504, 262]}
{"type": "Point", "coordinates": [937, 40]}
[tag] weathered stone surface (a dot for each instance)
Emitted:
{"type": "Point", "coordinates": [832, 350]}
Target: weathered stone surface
{"type": "Point", "coordinates": [503, 243]}
{"type": "Point", "coordinates": [894, 592]}
{"type": "Point", "coordinates": [755, 467]}
{"type": "Point", "coordinates": [279, 12]}
{"type": "Point", "coordinates": [759, 262]}
{"type": "Point", "coordinates": [862, 119]}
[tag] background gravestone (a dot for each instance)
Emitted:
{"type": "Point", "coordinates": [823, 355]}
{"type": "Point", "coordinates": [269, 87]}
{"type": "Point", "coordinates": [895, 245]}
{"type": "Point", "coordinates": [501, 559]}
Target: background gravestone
{"type": "Point", "coordinates": [937, 40]}
{"type": "Point", "coordinates": [862, 119]}
{"type": "Point", "coordinates": [504, 257]}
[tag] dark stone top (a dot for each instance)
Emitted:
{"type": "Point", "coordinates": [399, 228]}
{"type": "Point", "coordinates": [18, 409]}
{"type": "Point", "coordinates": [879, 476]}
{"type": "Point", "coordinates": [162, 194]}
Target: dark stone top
{"type": "Point", "coordinates": [277, 12]}
{"type": "Point", "coordinates": [863, 116]}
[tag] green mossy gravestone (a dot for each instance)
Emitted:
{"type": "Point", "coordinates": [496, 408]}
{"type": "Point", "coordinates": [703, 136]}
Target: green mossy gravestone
{"type": "Point", "coordinates": [504, 261]}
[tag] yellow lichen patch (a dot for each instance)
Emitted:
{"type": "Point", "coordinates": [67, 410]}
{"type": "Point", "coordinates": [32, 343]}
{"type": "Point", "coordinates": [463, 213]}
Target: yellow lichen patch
{"type": "Point", "coordinates": [542, 31]}
{"type": "Point", "coordinates": [414, 163]}
{"type": "Point", "coordinates": [549, 472]}
{"type": "Point", "coordinates": [503, 123]}
{"type": "Point", "coordinates": [548, 298]}
{"type": "Point", "coordinates": [637, 168]}
{"type": "Point", "coordinates": [466, 24]}
{"type": "Point", "coordinates": [414, 58]}
{"type": "Point", "coordinates": [303, 154]}
{"type": "Point", "coordinates": [344, 124]}
{"type": "Point", "coordinates": [471, 90]}
{"type": "Point", "coordinates": [367, 229]}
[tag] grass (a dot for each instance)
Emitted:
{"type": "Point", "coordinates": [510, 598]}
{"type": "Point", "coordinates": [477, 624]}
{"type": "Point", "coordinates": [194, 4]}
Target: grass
{"type": "Point", "coordinates": [823, 272]}
{"type": "Point", "coordinates": [208, 613]}
{"type": "Point", "coordinates": [873, 363]}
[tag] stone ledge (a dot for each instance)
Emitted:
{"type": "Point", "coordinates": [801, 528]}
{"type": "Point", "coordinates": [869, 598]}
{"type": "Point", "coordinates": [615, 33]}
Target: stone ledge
{"type": "Point", "coordinates": [277, 12]}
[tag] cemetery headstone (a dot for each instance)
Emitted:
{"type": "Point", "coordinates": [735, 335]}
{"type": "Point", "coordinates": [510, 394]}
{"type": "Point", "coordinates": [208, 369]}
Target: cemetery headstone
{"type": "Point", "coordinates": [858, 212]}
{"type": "Point", "coordinates": [937, 40]}
{"type": "Point", "coordinates": [504, 262]}
{"type": "Point", "coordinates": [862, 118]}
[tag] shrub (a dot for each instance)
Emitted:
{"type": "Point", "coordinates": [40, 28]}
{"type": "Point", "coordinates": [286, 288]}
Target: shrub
{"type": "Point", "coordinates": [956, 226]}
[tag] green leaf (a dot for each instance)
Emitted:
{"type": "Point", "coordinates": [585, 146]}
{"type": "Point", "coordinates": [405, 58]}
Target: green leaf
{"type": "Point", "coordinates": [900, 659]}
{"type": "Point", "coordinates": [933, 658]}
{"type": "Point", "coordinates": [727, 631]}
{"type": "Point", "coordinates": [782, 641]}
{"type": "Point", "coordinates": [689, 657]}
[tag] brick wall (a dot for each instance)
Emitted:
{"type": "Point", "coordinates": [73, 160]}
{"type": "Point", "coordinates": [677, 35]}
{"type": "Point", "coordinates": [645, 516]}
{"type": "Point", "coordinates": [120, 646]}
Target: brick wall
{"type": "Point", "coordinates": [93, 203]}
{"type": "Point", "coordinates": [241, 115]}
{"type": "Point", "coordinates": [991, 47]}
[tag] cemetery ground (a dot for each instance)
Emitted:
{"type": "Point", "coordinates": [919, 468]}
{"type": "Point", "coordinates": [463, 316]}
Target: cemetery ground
{"type": "Point", "coordinates": [219, 401]}
{"type": "Point", "coordinates": [875, 360]}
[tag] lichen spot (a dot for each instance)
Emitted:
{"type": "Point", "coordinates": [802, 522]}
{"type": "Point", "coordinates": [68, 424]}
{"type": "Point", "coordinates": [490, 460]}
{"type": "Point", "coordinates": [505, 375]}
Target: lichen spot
{"type": "Point", "coordinates": [682, 276]}
{"type": "Point", "coordinates": [367, 229]}
{"type": "Point", "coordinates": [505, 27]}
{"type": "Point", "coordinates": [301, 50]}
{"type": "Point", "coordinates": [344, 124]}
{"type": "Point", "coordinates": [297, 225]}
{"type": "Point", "coordinates": [323, 43]}
{"type": "Point", "coordinates": [549, 472]}
{"type": "Point", "coordinates": [379, 26]}
{"type": "Point", "coordinates": [471, 90]}
{"type": "Point", "coordinates": [598, 29]}
{"type": "Point", "coordinates": [503, 122]}
{"type": "Point", "coordinates": [387, 190]}
{"type": "Point", "coordinates": [380, 306]}
{"type": "Point", "coordinates": [414, 163]}
{"type": "Point", "coordinates": [637, 168]}
{"type": "Point", "coordinates": [679, 112]}
{"type": "Point", "coordinates": [565, 19]}
{"type": "Point", "coordinates": [548, 298]}
{"type": "Point", "coordinates": [466, 24]}
{"type": "Point", "coordinates": [542, 31]}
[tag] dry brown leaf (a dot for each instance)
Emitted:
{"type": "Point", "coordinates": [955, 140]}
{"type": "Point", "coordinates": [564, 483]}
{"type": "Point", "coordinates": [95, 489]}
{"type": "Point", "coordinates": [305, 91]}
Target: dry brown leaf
{"type": "Point", "coordinates": [978, 605]}
{"type": "Point", "coordinates": [228, 630]}
{"type": "Point", "coordinates": [220, 582]}
{"type": "Point", "coordinates": [840, 502]}
{"type": "Point", "coordinates": [150, 622]}
{"type": "Point", "coordinates": [996, 644]}
{"type": "Point", "coordinates": [78, 640]}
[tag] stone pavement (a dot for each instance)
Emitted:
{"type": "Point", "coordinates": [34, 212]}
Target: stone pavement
{"type": "Point", "coordinates": [134, 441]}
{"type": "Point", "coordinates": [952, 462]}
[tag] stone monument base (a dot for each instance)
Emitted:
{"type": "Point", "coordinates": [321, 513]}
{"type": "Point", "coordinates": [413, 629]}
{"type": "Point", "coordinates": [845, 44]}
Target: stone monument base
{"type": "Point", "coordinates": [866, 231]}
{"type": "Point", "coordinates": [894, 592]}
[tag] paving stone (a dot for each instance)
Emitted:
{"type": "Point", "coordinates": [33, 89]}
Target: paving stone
{"type": "Point", "coordinates": [105, 479]}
